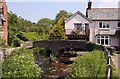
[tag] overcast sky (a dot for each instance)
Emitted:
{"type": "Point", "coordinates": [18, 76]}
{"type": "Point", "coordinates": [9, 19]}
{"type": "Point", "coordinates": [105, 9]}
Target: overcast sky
{"type": "Point", "coordinates": [34, 10]}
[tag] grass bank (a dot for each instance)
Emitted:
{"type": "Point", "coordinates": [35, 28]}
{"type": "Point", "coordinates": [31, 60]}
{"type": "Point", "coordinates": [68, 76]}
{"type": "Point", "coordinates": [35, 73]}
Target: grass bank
{"type": "Point", "coordinates": [21, 64]}
{"type": "Point", "coordinates": [90, 65]}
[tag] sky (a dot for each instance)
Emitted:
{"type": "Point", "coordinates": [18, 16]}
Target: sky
{"type": "Point", "coordinates": [34, 10]}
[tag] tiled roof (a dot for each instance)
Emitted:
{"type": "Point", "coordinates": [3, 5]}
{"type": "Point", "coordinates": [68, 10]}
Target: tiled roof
{"type": "Point", "coordinates": [104, 13]}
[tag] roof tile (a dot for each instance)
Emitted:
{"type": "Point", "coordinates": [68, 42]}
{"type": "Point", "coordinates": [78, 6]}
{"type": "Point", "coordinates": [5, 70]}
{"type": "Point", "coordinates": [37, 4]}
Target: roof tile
{"type": "Point", "coordinates": [104, 13]}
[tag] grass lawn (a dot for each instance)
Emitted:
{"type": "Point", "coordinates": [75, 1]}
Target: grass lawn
{"type": "Point", "coordinates": [91, 65]}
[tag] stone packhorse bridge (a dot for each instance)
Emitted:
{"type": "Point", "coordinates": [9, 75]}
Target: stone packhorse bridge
{"type": "Point", "coordinates": [58, 46]}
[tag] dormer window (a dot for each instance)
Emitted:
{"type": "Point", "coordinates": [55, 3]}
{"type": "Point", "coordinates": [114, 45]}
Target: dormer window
{"type": "Point", "coordinates": [103, 25]}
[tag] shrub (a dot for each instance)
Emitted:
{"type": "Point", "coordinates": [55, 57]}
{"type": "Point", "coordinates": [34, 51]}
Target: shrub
{"type": "Point", "coordinates": [90, 46]}
{"type": "Point", "coordinates": [116, 52]}
{"type": "Point", "coordinates": [16, 42]}
{"type": "Point", "coordinates": [39, 52]}
{"type": "Point", "coordinates": [21, 36]}
{"type": "Point", "coordinates": [21, 64]}
{"type": "Point", "coordinates": [57, 32]}
{"type": "Point", "coordinates": [31, 36]}
{"type": "Point", "coordinates": [91, 65]}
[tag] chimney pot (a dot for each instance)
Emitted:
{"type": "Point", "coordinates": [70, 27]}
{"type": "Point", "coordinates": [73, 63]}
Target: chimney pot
{"type": "Point", "coordinates": [89, 5]}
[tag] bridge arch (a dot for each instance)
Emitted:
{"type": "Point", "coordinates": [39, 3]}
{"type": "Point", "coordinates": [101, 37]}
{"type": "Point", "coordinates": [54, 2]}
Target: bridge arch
{"type": "Point", "coordinates": [59, 46]}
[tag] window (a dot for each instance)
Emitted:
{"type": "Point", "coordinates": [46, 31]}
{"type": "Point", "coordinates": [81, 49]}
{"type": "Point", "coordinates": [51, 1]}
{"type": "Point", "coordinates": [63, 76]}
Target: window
{"type": "Point", "coordinates": [1, 15]}
{"type": "Point", "coordinates": [0, 21]}
{"type": "Point", "coordinates": [78, 25]}
{"type": "Point", "coordinates": [87, 25]}
{"type": "Point", "coordinates": [103, 40]}
{"type": "Point", "coordinates": [103, 25]}
{"type": "Point", "coordinates": [118, 25]}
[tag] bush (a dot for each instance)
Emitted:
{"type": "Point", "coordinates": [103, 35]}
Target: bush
{"type": "Point", "coordinates": [116, 52]}
{"type": "Point", "coordinates": [90, 46]}
{"type": "Point", "coordinates": [39, 52]}
{"type": "Point", "coordinates": [91, 65]}
{"type": "Point", "coordinates": [16, 42]}
{"type": "Point", "coordinates": [21, 36]}
{"type": "Point", "coordinates": [57, 32]}
{"type": "Point", "coordinates": [21, 64]}
{"type": "Point", "coordinates": [31, 36]}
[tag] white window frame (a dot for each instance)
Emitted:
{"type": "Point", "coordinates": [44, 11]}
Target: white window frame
{"type": "Point", "coordinates": [100, 38]}
{"type": "Point", "coordinates": [77, 23]}
{"type": "Point", "coordinates": [104, 23]}
{"type": "Point", "coordinates": [0, 22]}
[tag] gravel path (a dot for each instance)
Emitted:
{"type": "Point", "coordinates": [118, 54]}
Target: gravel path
{"type": "Point", "coordinates": [116, 61]}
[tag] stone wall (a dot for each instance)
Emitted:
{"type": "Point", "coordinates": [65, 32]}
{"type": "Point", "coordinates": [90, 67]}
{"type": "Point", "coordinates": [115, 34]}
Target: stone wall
{"type": "Point", "coordinates": [56, 45]}
{"type": "Point", "coordinates": [5, 52]}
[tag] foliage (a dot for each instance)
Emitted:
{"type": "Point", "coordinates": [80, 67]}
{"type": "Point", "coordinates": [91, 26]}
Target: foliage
{"type": "Point", "coordinates": [16, 42]}
{"type": "Point", "coordinates": [29, 36]}
{"type": "Point", "coordinates": [21, 36]}
{"type": "Point", "coordinates": [62, 13]}
{"type": "Point", "coordinates": [3, 42]}
{"type": "Point", "coordinates": [57, 31]}
{"type": "Point", "coordinates": [45, 24]}
{"type": "Point", "coordinates": [74, 32]}
{"type": "Point", "coordinates": [21, 64]}
{"type": "Point", "coordinates": [90, 65]}
{"type": "Point", "coordinates": [90, 46]}
{"type": "Point", "coordinates": [116, 52]}
{"type": "Point", "coordinates": [115, 73]}
{"type": "Point", "coordinates": [20, 28]}
{"type": "Point", "coordinates": [52, 57]}
{"type": "Point", "coordinates": [39, 52]}
{"type": "Point", "coordinates": [16, 25]}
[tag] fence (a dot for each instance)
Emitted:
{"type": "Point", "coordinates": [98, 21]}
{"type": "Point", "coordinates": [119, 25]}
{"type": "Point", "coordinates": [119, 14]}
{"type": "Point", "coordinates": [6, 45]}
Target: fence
{"type": "Point", "coordinates": [107, 52]}
{"type": "Point", "coordinates": [109, 66]}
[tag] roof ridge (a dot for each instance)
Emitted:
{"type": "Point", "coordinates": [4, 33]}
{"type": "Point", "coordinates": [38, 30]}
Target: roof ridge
{"type": "Point", "coordinates": [106, 8]}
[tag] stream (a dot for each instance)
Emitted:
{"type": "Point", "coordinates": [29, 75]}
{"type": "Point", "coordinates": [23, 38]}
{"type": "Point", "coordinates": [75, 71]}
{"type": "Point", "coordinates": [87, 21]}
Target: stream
{"type": "Point", "coordinates": [54, 70]}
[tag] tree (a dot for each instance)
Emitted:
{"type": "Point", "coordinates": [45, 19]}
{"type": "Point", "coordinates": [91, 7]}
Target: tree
{"type": "Point", "coordinates": [57, 31]}
{"type": "Point", "coordinates": [45, 24]}
{"type": "Point", "coordinates": [17, 25]}
{"type": "Point", "coordinates": [61, 14]}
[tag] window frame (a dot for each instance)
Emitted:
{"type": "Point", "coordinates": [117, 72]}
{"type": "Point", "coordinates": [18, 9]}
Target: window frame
{"type": "Point", "coordinates": [104, 38]}
{"type": "Point", "coordinates": [77, 26]}
{"type": "Point", "coordinates": [104, 25]}
{"type": "Point", "coordinates": [1, 22]}
{"type": "Point", "coordinates": [118, 24]}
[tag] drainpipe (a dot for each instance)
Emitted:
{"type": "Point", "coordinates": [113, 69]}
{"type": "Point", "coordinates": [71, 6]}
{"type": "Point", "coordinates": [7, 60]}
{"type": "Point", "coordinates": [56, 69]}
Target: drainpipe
{"type": "Point", "coordinates": [94, 34]}
{"type": "Point", "coordinates": [119, 43]}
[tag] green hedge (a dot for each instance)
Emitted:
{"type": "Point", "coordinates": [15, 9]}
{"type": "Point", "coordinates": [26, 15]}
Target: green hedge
{"type": "Point", "coordinates": [90, 46]}
{"type": "Point", "coordinates": [21, 64]}
{"type": "Point", "coordinates": [90, 65]}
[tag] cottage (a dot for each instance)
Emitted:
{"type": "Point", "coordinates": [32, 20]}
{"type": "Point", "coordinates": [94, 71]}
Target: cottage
{"type": "Point", "coordinates": [100, 25]}
{"type": "Point", "coordinates": [77, 26]}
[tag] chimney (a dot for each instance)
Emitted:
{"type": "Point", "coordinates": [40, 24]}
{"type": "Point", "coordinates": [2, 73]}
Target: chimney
{"type": "Point", "coordinates": [89, 5]}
